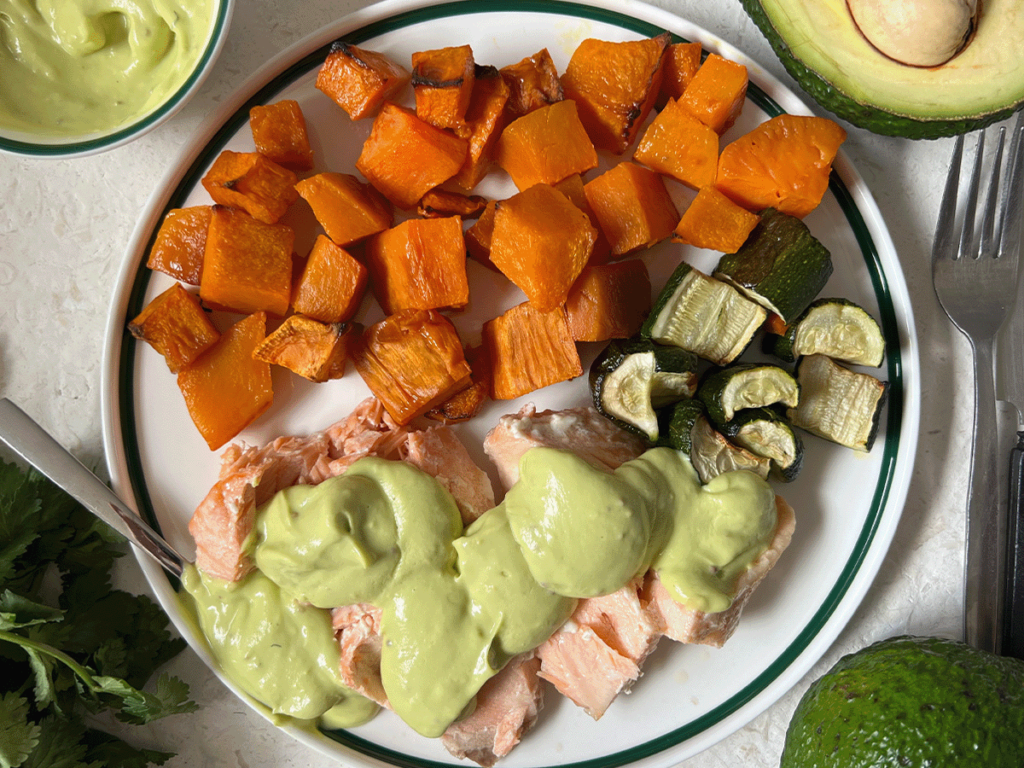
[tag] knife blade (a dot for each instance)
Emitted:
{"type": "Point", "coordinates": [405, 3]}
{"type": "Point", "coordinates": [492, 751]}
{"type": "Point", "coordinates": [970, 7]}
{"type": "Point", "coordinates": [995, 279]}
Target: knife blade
{"type": "Point", "coordinates": [1010, 388]}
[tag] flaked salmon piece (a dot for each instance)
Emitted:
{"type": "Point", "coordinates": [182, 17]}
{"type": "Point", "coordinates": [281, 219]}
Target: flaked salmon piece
{"type": "Point", "coordinates": [439, 452]}
{"type": "Point", "coordinates": [583, 431]}
{"type": "Point", "coordinates": [251, 475]}
{"type": "Point", "coordinates": [507, 706]}
{"type": "Point", "coordinates": [599, 651]}
{"type": "Point", "coordinates": [357, 627]}
{"type": "Point", "coordinates": [691, 626]}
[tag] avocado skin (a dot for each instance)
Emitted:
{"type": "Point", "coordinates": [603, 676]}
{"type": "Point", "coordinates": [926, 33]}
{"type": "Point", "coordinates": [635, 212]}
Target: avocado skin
{"type": "Point", "coordinates": [911, 702]}
{"type": "Point", "coordinates": [874, 118]}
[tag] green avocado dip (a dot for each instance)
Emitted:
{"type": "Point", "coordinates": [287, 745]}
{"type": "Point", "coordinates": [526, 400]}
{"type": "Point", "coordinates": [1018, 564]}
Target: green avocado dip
{"type": "Point", "coordinates": [73, 67]}
{"type": "Point", "coordinates": [458, 604]}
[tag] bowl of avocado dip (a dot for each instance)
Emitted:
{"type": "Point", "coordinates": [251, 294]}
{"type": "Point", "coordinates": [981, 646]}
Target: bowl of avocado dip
{"type": "Point", "coordinates": [78, 77]}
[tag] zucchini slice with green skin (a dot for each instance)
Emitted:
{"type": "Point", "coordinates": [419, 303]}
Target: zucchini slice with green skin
{"type": "Point", "coordinates": [632, 378]}
{"type": "Point", "coordinates": [746, 385]}
{"type": "Point", "coordinates": [677, 424]}
{"type": "Point", "coordinates": [767, 433]}
{"type": "Point", "coordinates": [703, 315]}
{"type": "Point", "coordinates": [838, 404]}
{"type": "Point", "coordinates": [834, 327]}
{"type": "Point", "coordinates": [781, 266]}
{"type": "Point", "coordinates": [688, 430]}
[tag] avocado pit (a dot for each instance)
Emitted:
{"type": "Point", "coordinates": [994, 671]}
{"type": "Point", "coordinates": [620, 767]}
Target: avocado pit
{"type": "Point", "coordinates": [919, 33]}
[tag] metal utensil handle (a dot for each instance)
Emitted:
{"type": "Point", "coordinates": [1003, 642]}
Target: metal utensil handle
{"type": "Point", "coordinates": [30, 441]}
{"type": "Point", "coordinates": [1013, 637]}
{"type": "Point", "coordinates": [986, 518]}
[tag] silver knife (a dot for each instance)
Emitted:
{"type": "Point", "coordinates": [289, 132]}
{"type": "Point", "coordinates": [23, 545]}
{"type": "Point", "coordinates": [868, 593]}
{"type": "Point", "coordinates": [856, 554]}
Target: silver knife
{"type": "Point", "coordinates": [1010, 388]}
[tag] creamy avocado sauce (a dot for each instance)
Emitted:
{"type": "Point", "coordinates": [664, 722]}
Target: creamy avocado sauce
{"type": "Point", "coordinates": [457, 605]}
{"type": "Point", "coordinates": [70, 67]}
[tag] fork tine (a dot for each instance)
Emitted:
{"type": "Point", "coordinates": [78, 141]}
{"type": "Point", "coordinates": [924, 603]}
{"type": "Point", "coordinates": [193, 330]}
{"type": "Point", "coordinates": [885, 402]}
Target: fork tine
{"type": "Point", "coordinates": [967, 233]}
{"type": "Point", "coordinates": [947, 208]}
{"type": "Point", "coordinates": [1010, 228]}
{"type": "Point", "coordinates": [992, 201]}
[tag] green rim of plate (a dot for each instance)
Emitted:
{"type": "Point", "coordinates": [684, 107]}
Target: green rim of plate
{"type": "Point", "coordinates": [30, 149]}
{"type": "Point", "coordinates": [887, 320]}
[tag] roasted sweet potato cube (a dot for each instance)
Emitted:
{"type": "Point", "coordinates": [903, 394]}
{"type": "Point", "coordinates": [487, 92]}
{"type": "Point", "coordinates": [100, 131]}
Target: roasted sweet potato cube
{"type": "Point", "coordinates": [247, 266]}
{"type": "Point", "coordinates": [572, 187]}
{"type": "Point", "coordinates": [466, 404]}
{"type": "Point", "coordinates": [533, 83]}
{"type": "Point", "coordinates": [541, 242]}
{"type": "Point", "coordinates": [632, 207]}
{"type": "Point", "coordinates": [484, 122]}
{"type": "Point", "coordinates": [609, 301]}
{"type": "Point", "coordinates": [348, 209]}
{"type": "Point", "coordinates": [226, 389]}
{"type": "Point", "coordinates": [405, 157]}
{"type": "Point", "coordinates": [716, 94]}
{"type": "Point", "coordinates": [529, 349]}
{"type": "Point", "coordinates": [252, 182]}
{"type": "Point", "coordinates": [442, 80]}
{"type": "Point", "coordinates": [180, 243]}
{"type": "Point", "coordinates": [679, 145]}
{"type": "Point", "coordinates": [682, 60]}
{"type": "Point", "coordinates": [314, 350]}
{"type": "Point", "coordinates": [411, 361]}
{"type": "Point", "coordinates": [439, 203]}
{"type": "Point", "coordinates": [359, 80]}
{"type": "Point", "coordinates": [546, 146]}
{"type": "Point", "coordinates": [279, 132]}
{"type": "Point", "coordinates": [175, 326]}
{"type": "Point", "coordinates": [331, 285]}
{"type": "Point", "coordinates": [478, 237]}
{"type": "Point", "coordinates": [419, 264]}
{"type": "Point", "coordinates": [615, 86]}
{"type": "Point", "coordinates": [715, 222]}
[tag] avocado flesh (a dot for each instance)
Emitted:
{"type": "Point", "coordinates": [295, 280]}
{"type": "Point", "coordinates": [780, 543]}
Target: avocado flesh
{"type": "Point", "coordinates": [822, 48]}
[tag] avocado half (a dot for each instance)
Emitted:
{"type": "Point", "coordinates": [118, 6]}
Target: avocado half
{"type": "Point", "coordinates": [823, 49]}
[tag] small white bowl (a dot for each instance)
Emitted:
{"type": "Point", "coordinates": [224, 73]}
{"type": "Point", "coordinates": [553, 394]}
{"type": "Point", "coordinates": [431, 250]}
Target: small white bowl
{"type": "Point", "coordinates": [29, 144]}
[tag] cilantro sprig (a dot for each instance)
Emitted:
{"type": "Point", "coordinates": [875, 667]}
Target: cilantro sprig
{"type": "Point", "coordinates": [70, 644]}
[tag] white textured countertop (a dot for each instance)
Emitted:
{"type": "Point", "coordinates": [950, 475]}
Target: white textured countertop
{"type": "Point", "coordinates": [65, 225]}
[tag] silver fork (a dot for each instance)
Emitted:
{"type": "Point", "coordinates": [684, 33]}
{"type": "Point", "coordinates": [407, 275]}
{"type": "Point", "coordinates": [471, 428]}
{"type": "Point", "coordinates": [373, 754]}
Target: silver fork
{"type": "Point", "coordinates": [975, 278]}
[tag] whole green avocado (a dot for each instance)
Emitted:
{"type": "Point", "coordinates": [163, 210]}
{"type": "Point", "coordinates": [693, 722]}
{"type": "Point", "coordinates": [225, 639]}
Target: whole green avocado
{"type": "Point", "coordinates": [911, 702]}
{"type": "Point", "coordinates": [822, 47]}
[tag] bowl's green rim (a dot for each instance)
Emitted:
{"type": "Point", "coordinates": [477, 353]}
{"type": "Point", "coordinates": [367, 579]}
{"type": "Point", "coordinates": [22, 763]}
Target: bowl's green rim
{"type": "Point", "coordinates": [888, 321]}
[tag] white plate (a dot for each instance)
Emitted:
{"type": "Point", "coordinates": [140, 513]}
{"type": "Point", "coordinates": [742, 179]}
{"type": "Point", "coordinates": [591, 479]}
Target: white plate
{"type": "Point", "coordinates": [847, 503]}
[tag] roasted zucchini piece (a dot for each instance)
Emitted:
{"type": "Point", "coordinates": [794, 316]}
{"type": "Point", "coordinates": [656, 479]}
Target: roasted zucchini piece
{"type": "Point", "coordinates": [687, 429]}
{"type": "Point", "coordinates": [781, 266]}
{"type": "Point", "coordinates": [834, 327]}
{"type": "Point", "coordinates": [767, 433]}
{"type": "Point", "coordinates": [703, 315]}
{"type": "Point", "coordinates": [838, 404]}
{"type": "Point", "coordinates": [746, 385]}
{"type": "Point", "coordinates": [632, 378]}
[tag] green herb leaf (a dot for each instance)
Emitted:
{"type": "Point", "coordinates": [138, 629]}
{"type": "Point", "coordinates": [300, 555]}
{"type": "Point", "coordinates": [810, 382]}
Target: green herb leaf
{"type": "Point", "coordinates": [17, 611]}
{"type": "Point", "coordinates": [18, 736]}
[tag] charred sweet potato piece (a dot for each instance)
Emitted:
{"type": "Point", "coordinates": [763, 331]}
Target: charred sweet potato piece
{"type": "Point", "coordinates": [348, 209]}
{"type": "Point", "coordinates": [632, 207]}
{"type": "Point", "coordinates": [442, 80]}
{"type": "Point", "coordinates": [682, 60]}
{"type": "Point", "coordinates": [715, 222]}
{"type": "Point", "coordinates": [175, 326]}
{"type": "Point", "coordinates": [541, 242]}
{"type": "Point", "coordinates": [411, 361]}
{"type": "Point", "coordinates": [359, 80]}
{"type": "Point", "coordinates": [572, 187]}
{"type": "Point", "coordinates": [478, 237]}
{"type": "Point", "coordinates": [419, 264]}
{"type": "Point", "coordinates": [252, 182]}
{"type": "Point", "coordinates": [609, 301]}
{"type": "Point", "coordinates": [180, 243]}
{"type": "Point", "coordinates": [466, 404]}
{"type": "Point", "coordinates": [484, 122]}
{"type": "Point", "coordinates": [716, 94]}
{"type": "Point", "coordinates": [784, 164]}
{"type": "Point", "coordinates": [679, 145]}
{"type": "Point", "coordinates": [247, 265]}
{"type": "Point", "coordinates": [405, 157]}
{"type": "Point", "coordinates": [615, 86]}
{"type": "Point", "coordinates": [331, 285]}
{"type": "Point", "coordinates": [314, 350]}
{"type": "Point", "coordinates": [533, 83]}
{"type": "Point", "coordinates": [546, 146]}
{"type": "Point", "coordinates": [225, 388]}
{"type": "Point", "coordinates": [529, 349]}
{"type": "Point", "coordinates": [439, 203]}
{"type": "Point", "coordinates": [279, 132]}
